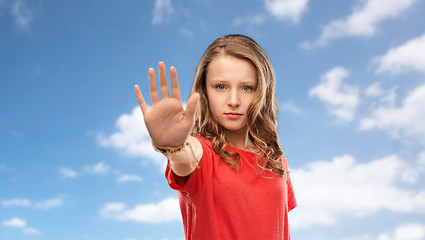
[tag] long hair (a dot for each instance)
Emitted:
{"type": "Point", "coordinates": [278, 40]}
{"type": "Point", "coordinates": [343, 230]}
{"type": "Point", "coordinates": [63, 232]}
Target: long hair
{"type": "Point", "coordinates": [262, 121]}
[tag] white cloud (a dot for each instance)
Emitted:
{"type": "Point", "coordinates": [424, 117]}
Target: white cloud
{"type": "Point", "coordinates": [340, 99]}
{"type": "Point", "coordinates": [385, 97]}
{"type": "Point", "coordinates": [129, 178]}
{"type": "Point", "coordinates": [14, 222]}
{"type": "Point", "coordinates": [286, 9]}
{"type": "Point", "coordinates": [390, 97]}
{"type": "Point", "coordinates": [409, 231]}
{"type": "Point", "coordinates": [374, 90]}
{"type": "Point", "coordinates": [413, 231]}
{"type": "Point", "coordinates": [421, 161]}
{"type": "Point", "coordinates": [34, 231]}
{"type": "Point", "coordinates": [49, 203]}
{"type": "Point", "coordinates": [112, 207]}
{"type": "Point", "coordinates": [22, 13]}
{"type": "Point", "coordinates": [250, 19]}
{"type": "Point", "coordinates": [329, 190]}
{"type": "Point", "coordinates": [363, 21]}
{"type": "Point", "coordinates": [404, 122]}
{"type": "Point", "coordinates": [18, 202]}
{"type": "Point", "coordinates": [20, 223]}
{"type": "Point", "coordinates": [132, 138]}
{"type": "Point", "coordinates": [162, 9]}
{"type": "Point", "coordinates": [67, 173]}
{"type": "Point", "coordinates": [290, 107]}
{"type": "Point", "coordinates": [165, 211]}
{"type": "Point", "coordinates": [22, 202]}
{"type": "Point", "coordinates": [99, 168]}
{"type": "Point", "coordinates": [409, 56]}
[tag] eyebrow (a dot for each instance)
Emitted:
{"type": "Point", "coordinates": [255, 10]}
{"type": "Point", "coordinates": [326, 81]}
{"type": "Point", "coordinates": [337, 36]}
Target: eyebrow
{"type": "Point", "coordinates": [215, 81]}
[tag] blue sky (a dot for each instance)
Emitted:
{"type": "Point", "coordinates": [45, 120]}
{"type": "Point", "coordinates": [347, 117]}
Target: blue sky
{"type": "Point", "coordinates": [75, 157]}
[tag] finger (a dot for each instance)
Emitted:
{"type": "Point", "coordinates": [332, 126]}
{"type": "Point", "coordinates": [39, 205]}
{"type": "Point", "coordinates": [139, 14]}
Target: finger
{"type": "Point", "coordinates": [153, 91]}
{"type": "Point", "coordinates": [140, 99]}
{"type": "Point", "coordinates": [163, 84]}
{"type": "Point", "coordinates": [175, 89]}
{"type": "Point", "coordinates": [192, 103]}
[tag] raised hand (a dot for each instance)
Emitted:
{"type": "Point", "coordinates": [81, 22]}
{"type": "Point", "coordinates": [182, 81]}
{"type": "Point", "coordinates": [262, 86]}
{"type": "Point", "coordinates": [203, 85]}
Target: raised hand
{"type": "Point", "coordinates": [166, 120]}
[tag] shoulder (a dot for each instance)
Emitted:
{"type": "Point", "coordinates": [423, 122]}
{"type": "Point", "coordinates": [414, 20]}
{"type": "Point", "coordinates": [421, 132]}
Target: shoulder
{"type": "Point", "coordinates": [201, 147]}
{"type": "Point", "coordinates": [203, 140]}
{"type": "Point", "coordinates": [205, 143]}
{"type": "Point", "coordinates": [284, 161]}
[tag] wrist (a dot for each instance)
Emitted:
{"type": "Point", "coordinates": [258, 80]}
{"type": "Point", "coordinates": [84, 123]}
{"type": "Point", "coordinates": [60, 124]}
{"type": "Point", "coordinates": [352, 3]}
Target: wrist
{"type": "Point", "coordinates": [169, 149]}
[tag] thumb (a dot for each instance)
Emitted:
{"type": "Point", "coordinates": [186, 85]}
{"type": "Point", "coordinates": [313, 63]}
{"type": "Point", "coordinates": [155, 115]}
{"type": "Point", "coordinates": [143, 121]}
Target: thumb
{"type": "Point", "coordinates": [192, 103]}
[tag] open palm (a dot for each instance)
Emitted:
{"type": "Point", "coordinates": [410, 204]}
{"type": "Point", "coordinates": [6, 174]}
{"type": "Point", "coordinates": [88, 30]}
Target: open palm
{"type": "Point", "coordinates": [166, 120]}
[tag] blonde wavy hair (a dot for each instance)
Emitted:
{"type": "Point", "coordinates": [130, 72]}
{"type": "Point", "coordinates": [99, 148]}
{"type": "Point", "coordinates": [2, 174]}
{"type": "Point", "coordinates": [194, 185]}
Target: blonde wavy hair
{"type": "Point", "coordinates": [262, 121]}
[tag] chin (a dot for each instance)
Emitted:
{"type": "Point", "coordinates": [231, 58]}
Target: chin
{"type": "Point", "coordinates": [234, 128]}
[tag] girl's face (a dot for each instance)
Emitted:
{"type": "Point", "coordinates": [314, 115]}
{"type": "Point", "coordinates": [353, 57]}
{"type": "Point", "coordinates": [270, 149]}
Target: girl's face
{"type": "Point", "coordinates": [231, 84]}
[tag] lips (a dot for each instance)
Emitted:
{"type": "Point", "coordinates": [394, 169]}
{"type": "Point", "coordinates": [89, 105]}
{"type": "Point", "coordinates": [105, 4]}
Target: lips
{"type": "Point", "coordinates": [233, 115]}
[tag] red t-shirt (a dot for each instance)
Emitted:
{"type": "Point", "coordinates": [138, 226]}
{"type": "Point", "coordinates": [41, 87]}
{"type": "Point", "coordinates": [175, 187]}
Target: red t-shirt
{"type": "Point", "coordinates": [218, 202]}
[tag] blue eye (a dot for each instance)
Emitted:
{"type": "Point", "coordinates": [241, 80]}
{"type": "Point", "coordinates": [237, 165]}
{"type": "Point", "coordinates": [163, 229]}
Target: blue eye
{"type": "Point", "coordinates": [220, 87]}
{"type": "Point", "coordinates": [246, 88]}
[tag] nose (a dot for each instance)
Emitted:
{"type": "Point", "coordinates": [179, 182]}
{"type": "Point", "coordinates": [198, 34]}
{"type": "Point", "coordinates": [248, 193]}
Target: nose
{"type": "Point", "coordinates": [233, 99]}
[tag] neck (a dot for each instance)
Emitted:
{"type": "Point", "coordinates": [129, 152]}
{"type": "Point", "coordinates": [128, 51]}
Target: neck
{"type": "Point", "coordinates": [240, 139]}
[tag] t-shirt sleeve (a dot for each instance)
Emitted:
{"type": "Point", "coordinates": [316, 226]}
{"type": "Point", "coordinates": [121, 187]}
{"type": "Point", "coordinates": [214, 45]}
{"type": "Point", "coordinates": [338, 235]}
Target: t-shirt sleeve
{"type": "Point", "coordinates": [194, 181]}
{"type": "Point", "coordinates": [291, 200]}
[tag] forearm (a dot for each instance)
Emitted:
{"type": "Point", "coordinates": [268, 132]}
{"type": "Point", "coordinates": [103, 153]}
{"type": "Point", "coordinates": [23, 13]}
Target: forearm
{"type": "Point", "coordinates": [184, 162]}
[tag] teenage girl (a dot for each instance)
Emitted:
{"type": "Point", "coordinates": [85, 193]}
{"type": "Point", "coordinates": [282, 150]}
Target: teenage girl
{"type": "Point", "coordinates": [224, 156]}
